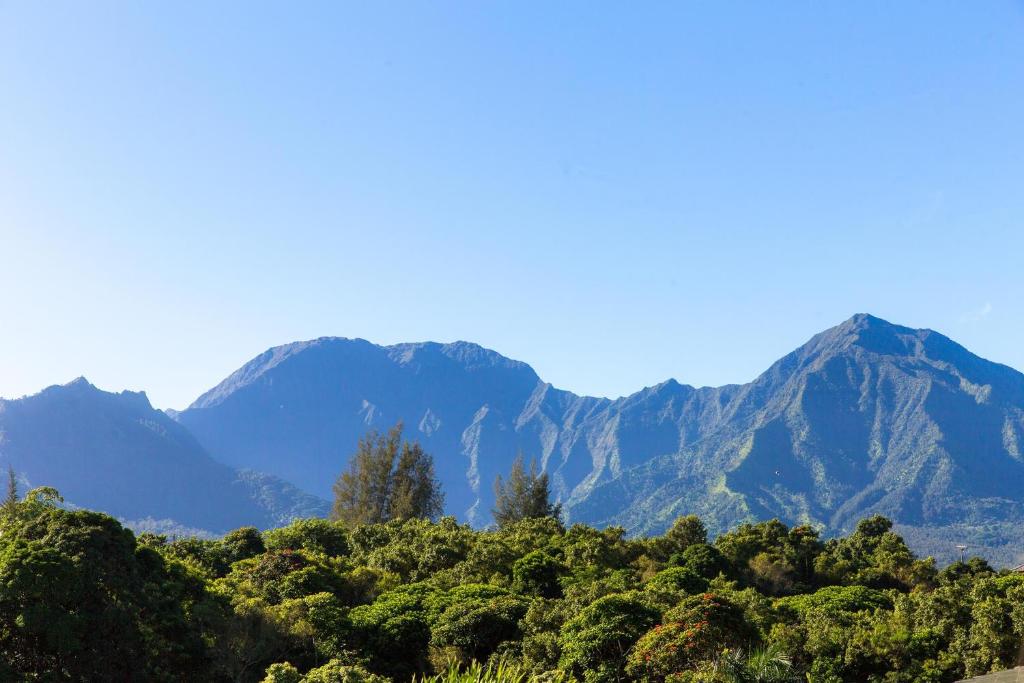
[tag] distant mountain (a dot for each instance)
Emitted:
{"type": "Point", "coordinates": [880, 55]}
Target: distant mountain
{"type": "Point", "coordinates": [115, 453]}
{"type": "Point", "coordinates": [866, 417]}
{"type": "Point", "coordinates": [298, 411]}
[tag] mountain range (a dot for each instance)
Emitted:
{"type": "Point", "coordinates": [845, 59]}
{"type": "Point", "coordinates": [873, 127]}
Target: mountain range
{"type": "Point", "coordinates": [116, 453]}
{"type": "Point", "coordinates": [866, 417]}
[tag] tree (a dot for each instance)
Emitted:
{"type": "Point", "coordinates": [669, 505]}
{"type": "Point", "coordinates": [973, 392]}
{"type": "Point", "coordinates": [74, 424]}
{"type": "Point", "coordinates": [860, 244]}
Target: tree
{"type": "Point", "coordinates": [241, 544]}
{"type": "Point", "coordinates": [387, 479]}
{"type": "Point", "coordinates": [675, 580]}
{"type": "Point", "coordinates": [314, 535]}
{"type": "Point", "coordinates": [81, 601]}
{"type": "Point", "coordinates": [537, 573]}
{"type": "Point", "coordinates": [702, 558]}
{"type": "Point", "coordinates": [684, 532]}
{"type": "Point", "coordinates": [473, 629]}
{"type": "Point", "coordinates": [694, 631]}
{"type": "Point", "coordinates": [596, 641]}
{"type": "Point", "coordinates": [10, 500]}
{"type": "Point", "coordinates": [396, 622]}
{"type": "Point", "coordinates": [526, 495]}
{"type": "Point", "coordinates": [282, 673]}
{"type": "Point", "coordinates": [415, 492]}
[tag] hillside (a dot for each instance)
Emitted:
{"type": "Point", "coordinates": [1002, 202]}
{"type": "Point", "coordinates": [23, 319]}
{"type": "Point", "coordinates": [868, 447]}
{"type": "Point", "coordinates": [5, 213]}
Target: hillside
{"type": "Point", "coordinates": [115, 453]}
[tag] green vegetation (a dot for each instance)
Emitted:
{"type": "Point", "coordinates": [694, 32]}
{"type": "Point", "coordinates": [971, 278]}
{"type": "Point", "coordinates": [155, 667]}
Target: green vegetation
{"type": "Point", "coordinates": [525, 495]}
{"type": "Point", "coordinates": [387, 479]}
{"type": "Point", "coordinates": [415, 599]}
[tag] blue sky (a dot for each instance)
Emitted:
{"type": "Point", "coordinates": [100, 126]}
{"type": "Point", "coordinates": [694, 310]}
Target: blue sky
{"type": "Point", "coordinates": [683, 190]}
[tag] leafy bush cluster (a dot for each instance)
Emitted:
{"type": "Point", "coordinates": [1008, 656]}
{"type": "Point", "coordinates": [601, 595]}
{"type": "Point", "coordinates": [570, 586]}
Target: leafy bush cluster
{"type": "Point", "coordinates": [82, 598]}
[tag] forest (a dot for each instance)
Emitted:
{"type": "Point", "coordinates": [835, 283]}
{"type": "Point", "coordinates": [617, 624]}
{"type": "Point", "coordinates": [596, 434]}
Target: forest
{"type": "Point", "coordinates": [389, 590]}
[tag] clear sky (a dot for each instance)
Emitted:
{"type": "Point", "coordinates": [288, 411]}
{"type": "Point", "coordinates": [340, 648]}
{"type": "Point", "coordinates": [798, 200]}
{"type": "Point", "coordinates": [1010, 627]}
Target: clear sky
{"type": "Point", "coordinates": [616, 193]}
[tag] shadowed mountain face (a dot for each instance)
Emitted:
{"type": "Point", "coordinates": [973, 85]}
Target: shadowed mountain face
{"type": "Point", "coordinates": [866, 417]}
{"type": "Point", "coordinates": [115, 453]}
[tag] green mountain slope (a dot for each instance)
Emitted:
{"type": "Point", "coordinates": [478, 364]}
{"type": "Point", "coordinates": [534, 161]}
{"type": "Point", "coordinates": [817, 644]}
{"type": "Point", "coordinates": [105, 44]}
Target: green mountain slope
{"type": "Point", "coordinates": [867, 417]}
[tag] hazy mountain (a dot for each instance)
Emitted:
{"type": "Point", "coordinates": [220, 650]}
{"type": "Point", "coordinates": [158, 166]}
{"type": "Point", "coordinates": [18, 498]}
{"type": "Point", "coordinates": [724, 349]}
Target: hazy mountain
{"type": "Point", "coordinates": [865, 417]}
{"type": "Point", "coordinates": [114, 452]}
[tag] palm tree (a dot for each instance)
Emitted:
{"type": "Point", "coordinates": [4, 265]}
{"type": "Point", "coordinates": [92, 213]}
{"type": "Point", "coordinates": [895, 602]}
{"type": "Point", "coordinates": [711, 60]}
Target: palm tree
{"type": "Point", "coordinates": [768, 664]}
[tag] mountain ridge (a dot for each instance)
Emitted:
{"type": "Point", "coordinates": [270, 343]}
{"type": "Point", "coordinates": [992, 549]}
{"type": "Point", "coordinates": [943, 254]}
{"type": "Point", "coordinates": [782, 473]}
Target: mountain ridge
{"type": "Point", "coordinates": [862, 417]}
{"type": "Point", "coordinates": [115, 452]}
{"type": "Point", "coordinates": [941, 385]}
{"type": "Point", "coordinates": [866, 417]}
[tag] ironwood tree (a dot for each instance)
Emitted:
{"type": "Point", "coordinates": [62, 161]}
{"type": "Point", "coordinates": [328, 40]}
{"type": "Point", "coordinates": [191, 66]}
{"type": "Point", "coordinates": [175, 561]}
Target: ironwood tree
{"type": "Point", "coordinates": [525, 495]}
{"type": "Point", "coordinates": [387, 478]}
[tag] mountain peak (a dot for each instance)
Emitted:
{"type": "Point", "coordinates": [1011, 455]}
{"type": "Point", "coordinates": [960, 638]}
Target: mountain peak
{"type": "Point", "coordinates": [467, 355]}
{"type": "Point", "coordinates": [865, 321]}
{"type": "Point", "coordinates": [867, 333]}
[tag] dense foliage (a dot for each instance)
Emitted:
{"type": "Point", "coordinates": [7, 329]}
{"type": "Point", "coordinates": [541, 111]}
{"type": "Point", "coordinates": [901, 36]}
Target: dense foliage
{"type": "Point", "coordinates": [387, 479]}
{"type": "Point", "coordinates": [82, 598]}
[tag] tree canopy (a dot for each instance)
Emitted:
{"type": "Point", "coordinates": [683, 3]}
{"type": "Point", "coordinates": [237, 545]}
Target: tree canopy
{"type": "Point", "coordinates": [387, 479]}
{"type": "Point", "coordinates": [321, 601]}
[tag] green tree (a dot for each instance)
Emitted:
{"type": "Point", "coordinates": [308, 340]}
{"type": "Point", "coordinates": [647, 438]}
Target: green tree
{"type": "Point", "coordinates": [595, 643]}
{"type": "Point", "coordinates": [684, 532]}
{"type": "Point", "coordinates": [398, 622]}
{"type": "Point", "coordinates": [538, 573]}
{"type": "Point", "coordinates": [677, 580]}
{"type": "Point", "coordinates": [336, 671]}
{"type": "Point", "coordinates": [10, 504]}
{"type": "Point", "coordinates": [282, 673]}
{"type": "Point", "coordinates": [80, 600]}
{"type": "Point", "coordinates": [702, 558]}
{"type": "Point", "coordinates": [242, 544]}
{"type": "Point", "coordinates": [387, 478]}
{"type": "Point", "coordinates": [473, 629]}
{"type": "Point", "coordinates": [525, 495]}
{"type": "Point", "coordinates": [315, 535]}
{"type": "Point", "coordinates": [873, 555]}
